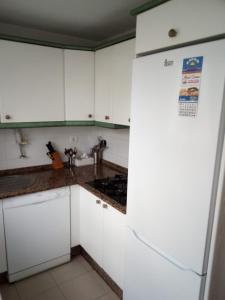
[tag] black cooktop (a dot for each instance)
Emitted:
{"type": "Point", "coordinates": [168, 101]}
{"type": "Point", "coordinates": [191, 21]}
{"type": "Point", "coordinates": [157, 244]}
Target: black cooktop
{"type": "Point", "coordinates": [114, 187]}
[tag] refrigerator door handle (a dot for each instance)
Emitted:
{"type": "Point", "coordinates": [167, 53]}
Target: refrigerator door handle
{"type": "Point", "coordinates": [166, 257]}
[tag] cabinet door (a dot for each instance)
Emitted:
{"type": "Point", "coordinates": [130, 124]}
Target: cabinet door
{"type": "Point", "coordinates": [31, 83]}
{"type": "Point", "coordinates": [103, 85]}
{"type": "Point", "coordinates": [3, 264]}
{"type": "Point", "coordinates": [192, 20]}
{"type": "Point", "coordinates": [91, 226]}
{"type": "Point", "coordinates": [114, 243]}
{"type": "Point", "coordinates": [75, 215]}
{"type": "Point", "coordinates": [122, 60]}
{"type": "Point", "coordinates": [79, 85]}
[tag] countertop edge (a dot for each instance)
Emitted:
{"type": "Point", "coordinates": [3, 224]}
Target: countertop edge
{"type": "Point", "coordinates": [67, 181]}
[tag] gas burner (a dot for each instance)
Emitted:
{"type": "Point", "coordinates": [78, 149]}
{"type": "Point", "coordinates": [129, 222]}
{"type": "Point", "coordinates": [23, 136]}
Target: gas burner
{"type": "Point", "coordinates": [114, 187]}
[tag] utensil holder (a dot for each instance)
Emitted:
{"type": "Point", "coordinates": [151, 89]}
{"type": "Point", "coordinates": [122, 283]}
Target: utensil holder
{"type": "Point", "coordinates": [56, 161]}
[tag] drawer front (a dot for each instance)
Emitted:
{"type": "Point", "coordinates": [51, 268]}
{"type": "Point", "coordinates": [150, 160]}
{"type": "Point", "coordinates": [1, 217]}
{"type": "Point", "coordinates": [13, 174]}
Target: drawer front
{"type": "Point", "coordinates": [191, 20]}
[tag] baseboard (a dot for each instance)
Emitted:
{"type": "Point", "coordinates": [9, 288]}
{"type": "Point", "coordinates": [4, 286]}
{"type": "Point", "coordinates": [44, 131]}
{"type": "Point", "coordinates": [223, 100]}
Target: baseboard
{"type": "Point", "coordinates": [75, 251]}
{"type": "Point", "coordinates": [3, 277]}
{"type": "Point", "coordinates": [102, 273]}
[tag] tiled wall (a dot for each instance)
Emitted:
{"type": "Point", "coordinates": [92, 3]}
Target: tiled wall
{"type": "Point", "coordinates": [85, 138]}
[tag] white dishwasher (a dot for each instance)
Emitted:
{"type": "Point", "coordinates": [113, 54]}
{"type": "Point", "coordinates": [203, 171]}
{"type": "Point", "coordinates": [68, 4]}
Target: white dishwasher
{"type": "Point", "coordinates": [37, 229]}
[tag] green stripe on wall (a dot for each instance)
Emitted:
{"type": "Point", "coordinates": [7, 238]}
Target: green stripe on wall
{"type": "Point", "coordinates": [110, 125]}
{"type": "Point", "coordinates": [59, 124]}
{"type": "Point", "coordinates": [46, 124]}
{"type": "Point", "coordinates": [146, 6]}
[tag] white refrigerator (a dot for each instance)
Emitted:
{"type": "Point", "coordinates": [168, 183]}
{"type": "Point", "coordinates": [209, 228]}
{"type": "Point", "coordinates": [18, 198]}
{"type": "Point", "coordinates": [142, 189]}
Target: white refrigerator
{"type": "Point", "coordinates": [176, 142]}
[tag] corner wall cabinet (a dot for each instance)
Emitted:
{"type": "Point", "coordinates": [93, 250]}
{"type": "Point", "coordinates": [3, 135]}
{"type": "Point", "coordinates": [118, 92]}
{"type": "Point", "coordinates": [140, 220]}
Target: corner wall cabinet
{"type": "Point", "coordinates": [43, 86]}
{"type": "Point", "coordinates": [31, 83]}
{"type": "Point", "coordinates": [113, 76]}
{"type": "Point", "coordinates": [79, 85]}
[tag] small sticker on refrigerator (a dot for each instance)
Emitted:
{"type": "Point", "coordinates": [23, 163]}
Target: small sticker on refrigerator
{"type": "Point", "coordinates": [190, 86]}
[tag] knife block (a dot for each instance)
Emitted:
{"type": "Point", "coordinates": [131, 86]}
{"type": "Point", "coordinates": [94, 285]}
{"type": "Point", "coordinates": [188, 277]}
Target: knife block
{"type": "Point", "coordinates": [56, 161]}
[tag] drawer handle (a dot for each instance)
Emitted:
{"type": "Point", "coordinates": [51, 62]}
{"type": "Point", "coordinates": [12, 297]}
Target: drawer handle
{"type": "Point", "coordinates": [90, 116]}
{"type": "Point", "coordinates": [98, 201]}
{"type": "Point", "coordinates": [107, 117]}
{"type": "Point", "coordinates": [172, 33]}
{"type": "Point", "coordinates": [104, 205]}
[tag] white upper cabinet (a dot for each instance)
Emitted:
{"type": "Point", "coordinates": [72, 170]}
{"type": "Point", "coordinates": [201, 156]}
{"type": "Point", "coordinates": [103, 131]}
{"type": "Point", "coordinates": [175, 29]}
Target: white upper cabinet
{"type": "Point", "coordinates": [103, 85]}
{"type": "Point", "coordinates": [31, 83]}
{"type": "Point", "coordinates": [191, 20]}
{"type": "Point", "coordinates": [122, 62]}
{"type": "Point", "coordinates": [79, 85]}
{"type": "Point", "coordinates": [113, 73]}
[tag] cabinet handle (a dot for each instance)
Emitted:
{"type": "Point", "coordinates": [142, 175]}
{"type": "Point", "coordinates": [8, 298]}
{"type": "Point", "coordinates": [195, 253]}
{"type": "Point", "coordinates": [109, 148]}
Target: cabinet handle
{"type": "Point", "coordinates": [129, 120]}
{"type": "Point", "coordinates": [7, 117]}
{"type": "Point", "coordinates": [90, 116]}
{"type": "Point", "coordinates": [107, 117]}
{"type": "Point", "coordinates": [104, 205]}
{"type": "Point", "coordinates": [172, 33]}
{"type": "Point", "coordinates": [98, 201]}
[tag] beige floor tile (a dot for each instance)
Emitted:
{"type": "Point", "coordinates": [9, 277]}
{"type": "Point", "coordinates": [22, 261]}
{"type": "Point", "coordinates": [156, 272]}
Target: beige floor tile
{"type": "Point", "coordinates": [34, 285]}
{"type": "Point", "coordinates": [84, 287]}
{"type": "Point", "coordinates": [105, 286]}
{"type": "Point", "coordinates": [109, 296]}
{"type": "Point", "coordinates": [84, 263]}
{"type": "Point", "coordinates": [68, 271]}
{"type": "Point", "coordinates": [51, 294]}
{"type": "Point", "coordinates": [9, 292]}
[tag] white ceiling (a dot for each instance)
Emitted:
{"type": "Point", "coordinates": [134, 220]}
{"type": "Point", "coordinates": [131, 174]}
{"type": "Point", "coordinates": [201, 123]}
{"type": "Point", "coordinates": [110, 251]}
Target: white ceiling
{"type": "Point", "coordinates": [90, 19]}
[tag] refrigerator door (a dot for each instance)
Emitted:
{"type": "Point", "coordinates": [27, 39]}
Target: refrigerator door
{"type": "Point", "coordinates": [173, 159]}
{"type": "Point", "coordinates": [150, 276]}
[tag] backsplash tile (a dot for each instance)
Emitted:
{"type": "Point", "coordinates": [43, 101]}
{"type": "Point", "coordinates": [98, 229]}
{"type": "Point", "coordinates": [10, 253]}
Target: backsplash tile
{"type": "Point", "coordinates": [85, 138]}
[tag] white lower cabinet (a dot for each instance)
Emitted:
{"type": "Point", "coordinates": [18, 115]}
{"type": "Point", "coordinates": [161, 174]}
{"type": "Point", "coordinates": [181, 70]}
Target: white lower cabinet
{"type": "Point", "coordinates": [96, 226]}
{"type": "Point", "coordinates": [75, 215]}
{"type": "Point", "coordinates": [102, 234]}
{"type": "Point", "coordinates": [113, 243]}
{"type": "Point", "coordinates": [3, 263]}
{"type": "Point", "coordinates": [91, 229]}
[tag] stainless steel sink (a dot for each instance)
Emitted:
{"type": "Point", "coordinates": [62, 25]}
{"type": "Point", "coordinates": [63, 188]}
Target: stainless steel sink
{"type": "Point", "coordinates": [15, 182]}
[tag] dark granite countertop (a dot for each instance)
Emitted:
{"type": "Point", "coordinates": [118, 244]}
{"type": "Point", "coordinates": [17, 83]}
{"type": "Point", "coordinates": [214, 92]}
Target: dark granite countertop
{"type": "Point", "coordinates": [36, 179]}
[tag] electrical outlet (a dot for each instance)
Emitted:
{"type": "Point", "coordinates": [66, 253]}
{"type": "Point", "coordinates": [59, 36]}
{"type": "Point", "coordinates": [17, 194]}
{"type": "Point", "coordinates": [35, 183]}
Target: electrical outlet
{"type": "Point", "coordinates": [73, 140]}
